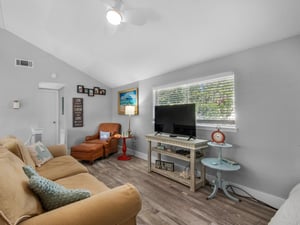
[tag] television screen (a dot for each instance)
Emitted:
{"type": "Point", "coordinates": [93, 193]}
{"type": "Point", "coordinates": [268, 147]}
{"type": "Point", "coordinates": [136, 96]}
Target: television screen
{"type": "Point", "coordinates": [176, 119]}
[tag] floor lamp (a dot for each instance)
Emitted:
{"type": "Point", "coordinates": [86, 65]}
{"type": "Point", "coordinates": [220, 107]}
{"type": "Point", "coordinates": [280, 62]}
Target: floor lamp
{"type": "Point", "coordinates": [129, 111]}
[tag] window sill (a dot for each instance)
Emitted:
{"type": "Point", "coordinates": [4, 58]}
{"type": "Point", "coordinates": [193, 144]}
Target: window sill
{"type": "Point", "coordinates": [211, 127]}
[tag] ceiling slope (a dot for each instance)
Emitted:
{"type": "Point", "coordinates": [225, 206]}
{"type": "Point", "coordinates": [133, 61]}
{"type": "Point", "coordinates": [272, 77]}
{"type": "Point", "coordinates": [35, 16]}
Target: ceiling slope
{"type": "Point", "coordinates": [177, 33]}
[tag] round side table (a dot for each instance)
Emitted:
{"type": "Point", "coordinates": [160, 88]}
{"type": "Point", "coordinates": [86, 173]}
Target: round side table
{"type": "Point", "coordinates": [220, 164]}
{"type": "Point", "coordinates": [124, 157]}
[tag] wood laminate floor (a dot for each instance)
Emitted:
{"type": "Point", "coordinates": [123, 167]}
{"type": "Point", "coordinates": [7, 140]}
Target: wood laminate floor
{"type": "Point", "coordinates": [166, 202]}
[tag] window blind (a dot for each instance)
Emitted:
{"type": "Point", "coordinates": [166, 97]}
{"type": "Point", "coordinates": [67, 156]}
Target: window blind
{"type": "Point", "coordinates": [214, 99]}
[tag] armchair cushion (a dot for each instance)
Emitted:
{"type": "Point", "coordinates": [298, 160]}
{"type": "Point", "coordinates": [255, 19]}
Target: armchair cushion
{"type": "Point", "coordinates": [111, 144]}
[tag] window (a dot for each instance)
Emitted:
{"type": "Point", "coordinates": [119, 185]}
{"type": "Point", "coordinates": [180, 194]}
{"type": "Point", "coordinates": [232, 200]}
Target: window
{"type": "Point", "coordinates": [213, 96]}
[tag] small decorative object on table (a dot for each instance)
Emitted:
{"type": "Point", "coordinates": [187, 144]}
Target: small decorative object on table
{"type": "Point", "coordinates": [164, 165]}
{"type": "Point", "coordinates": [218, 136]}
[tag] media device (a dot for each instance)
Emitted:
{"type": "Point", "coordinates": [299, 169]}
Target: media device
{"type": "Point", "coordinates": [176, 120]}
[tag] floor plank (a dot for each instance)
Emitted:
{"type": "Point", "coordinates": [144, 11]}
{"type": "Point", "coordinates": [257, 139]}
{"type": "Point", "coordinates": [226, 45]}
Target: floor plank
{"type": "Point", "coordinates": [165, 202]}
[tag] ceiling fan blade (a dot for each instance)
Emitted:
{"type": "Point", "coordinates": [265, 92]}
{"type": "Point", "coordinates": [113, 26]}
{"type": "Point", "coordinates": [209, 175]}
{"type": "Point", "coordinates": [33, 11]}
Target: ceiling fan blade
{"type": "Point", "coordinates": [135, 16]}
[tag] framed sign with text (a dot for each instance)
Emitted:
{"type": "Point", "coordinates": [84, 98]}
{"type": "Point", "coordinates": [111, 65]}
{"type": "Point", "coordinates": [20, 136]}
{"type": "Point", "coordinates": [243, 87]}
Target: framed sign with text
{"type": "Point", "coordinates": [77, 112]}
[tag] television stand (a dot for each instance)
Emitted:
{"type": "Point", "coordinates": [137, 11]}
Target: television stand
{"type": "Point", "coordinates": [196, 145]}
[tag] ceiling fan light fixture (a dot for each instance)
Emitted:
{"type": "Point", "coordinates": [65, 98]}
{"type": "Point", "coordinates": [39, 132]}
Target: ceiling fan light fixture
{"type": "Point", "coordinates": [113, 17]}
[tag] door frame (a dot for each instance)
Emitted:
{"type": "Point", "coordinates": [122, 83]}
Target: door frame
{"type": "Point", "coordinates": [54, 88]}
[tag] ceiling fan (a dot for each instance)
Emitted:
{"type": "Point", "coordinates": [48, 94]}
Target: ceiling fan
{"type": "Point", "coordinates": [117, 13]}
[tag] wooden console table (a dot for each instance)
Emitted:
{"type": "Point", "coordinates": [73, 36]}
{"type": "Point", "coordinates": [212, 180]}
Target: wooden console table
{"type": "Point", "coordinates": [193, 145]}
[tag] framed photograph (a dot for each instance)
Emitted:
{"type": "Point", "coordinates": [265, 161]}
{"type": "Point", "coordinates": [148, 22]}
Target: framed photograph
{"type": "Point", "coordinates": [164, 165]}
{"type": "Point", "coordinates": [91, 92]}
{"type": "Point", "coordinates": [128, 97]}
{"type": "Point", "coordinates": [97, 91]}
{"type": "Point", "coordinates": [86, 91]}
{"type": "Point", "coordinates": [80, 88]}
{"type": "Point", "coordinates": [102, 91]}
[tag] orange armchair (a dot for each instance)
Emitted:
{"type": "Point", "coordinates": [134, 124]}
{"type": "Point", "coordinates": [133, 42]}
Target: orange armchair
{"type": "Point", "coordinates": [111, 144]}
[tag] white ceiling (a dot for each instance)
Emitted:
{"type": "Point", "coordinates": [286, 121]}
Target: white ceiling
{"type": "Point", "coordinates": [178, 33]}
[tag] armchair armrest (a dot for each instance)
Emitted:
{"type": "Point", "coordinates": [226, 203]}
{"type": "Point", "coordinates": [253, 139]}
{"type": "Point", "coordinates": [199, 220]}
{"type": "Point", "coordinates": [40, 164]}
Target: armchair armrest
{"type": "Point", "coordinates": [115, 206]}
{"type": "Point", "coordinates": [58, 150]}
{"type": "Point", "coordinates": [91, 137]}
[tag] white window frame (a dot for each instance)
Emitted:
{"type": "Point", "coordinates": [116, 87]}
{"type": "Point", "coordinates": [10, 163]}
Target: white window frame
{"type": "Point", "coordinates": [204, 126]}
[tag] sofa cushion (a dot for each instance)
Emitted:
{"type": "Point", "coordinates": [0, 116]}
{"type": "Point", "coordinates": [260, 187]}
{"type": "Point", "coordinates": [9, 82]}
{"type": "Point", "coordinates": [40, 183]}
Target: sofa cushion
{"type": "Point", "coordinates": [60, 167]}
{"type": "Point", "coordinates": [39, 153]}
{"type": "Point", "coordinates": [83, 181]}
{"type": "Point", "coordinates": [54, 195]}
{"type": "Point", "coordinates": [17, 201]}
{"type": "Point", "coordinates": [17, 147]}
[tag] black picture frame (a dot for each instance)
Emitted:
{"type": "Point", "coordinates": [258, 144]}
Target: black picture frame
{"type": "Point", "coordinates": [80, 89]}
{"type": "Point", "coordinates": [91, 92]}
{"type": "Point", "coordinates": [86, 90]}
{"type": "Point", "coordinates": [97, 91]}
{"type": "Point", "coordinates": [102, 92]}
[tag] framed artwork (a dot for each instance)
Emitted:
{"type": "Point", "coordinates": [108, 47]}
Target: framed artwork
{"type": "Point", "coordinates": [86, 90]}
{"type": "Point", "coordinates": [91, 92]}
{"type": "Point", "coordinates": [77, 112]}
{"type": "Point", "coordinates": [97, 91]}
{"type": "Point", "coordinates": [128, 97]}
{"type": "Point", "coordinates": [80, 88]}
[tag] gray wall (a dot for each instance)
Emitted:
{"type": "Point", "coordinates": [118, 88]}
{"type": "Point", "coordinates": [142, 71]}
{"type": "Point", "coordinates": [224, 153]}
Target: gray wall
{"type": "Point", "coordinates": [21, 83]}
{"type": "Point", "coordinates": [267, 90]}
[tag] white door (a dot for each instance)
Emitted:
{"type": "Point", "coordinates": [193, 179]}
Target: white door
{"type": "Point", "coordinates": [47, 117]}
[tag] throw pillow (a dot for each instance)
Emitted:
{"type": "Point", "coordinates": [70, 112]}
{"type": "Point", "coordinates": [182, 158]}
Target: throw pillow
{"type": "Point", "coordinates": [104, 135]}
{"type": "Point", "coordinates": [39, 153]}
{"type": "Point", "coordinates": [53, 195]}
{"type": "Point", "coordinates": [29, 171]}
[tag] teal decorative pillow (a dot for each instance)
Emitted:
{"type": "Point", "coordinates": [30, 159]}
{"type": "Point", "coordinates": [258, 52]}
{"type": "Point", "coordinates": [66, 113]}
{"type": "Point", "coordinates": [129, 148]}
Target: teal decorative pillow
{"type": "Point", "coordinates": [53, 195]}
{"type": "Point", "coordinates": [104, 135]}
{"type": "Point", "coordinates": [39, 153]}
{"type": "Point", "coordinates": [29, 171]}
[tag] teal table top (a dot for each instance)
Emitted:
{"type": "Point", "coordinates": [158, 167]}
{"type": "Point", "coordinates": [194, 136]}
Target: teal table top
{"type": "Point", "coordinates": [216, 164]}
{"type": "Point", "coordinates": [223, 145]}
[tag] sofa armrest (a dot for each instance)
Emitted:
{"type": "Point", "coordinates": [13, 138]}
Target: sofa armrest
{"type": "Point", "coordinates": [115, 206]}
{"type": "Point", "coordinates": [92, 137]}
{"type": "Point", "coordinates": [58, 150]}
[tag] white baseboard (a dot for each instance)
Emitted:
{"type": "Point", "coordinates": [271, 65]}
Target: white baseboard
{"type": "Point", "coordinates": [271, 200]}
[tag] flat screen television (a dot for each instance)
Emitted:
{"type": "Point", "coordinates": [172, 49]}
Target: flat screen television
{"type": "Point", "coordinates": [176, 120]}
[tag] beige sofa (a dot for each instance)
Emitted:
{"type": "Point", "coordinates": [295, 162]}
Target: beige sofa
{"type": "Point", "coordinates": [288, 213]}
{"type": "Point", "coordinates": [19, 205]}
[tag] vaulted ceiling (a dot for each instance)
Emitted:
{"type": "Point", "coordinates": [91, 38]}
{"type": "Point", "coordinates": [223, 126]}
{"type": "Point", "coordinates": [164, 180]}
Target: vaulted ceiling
{"type": "Point", "coordinates": [177, 33]}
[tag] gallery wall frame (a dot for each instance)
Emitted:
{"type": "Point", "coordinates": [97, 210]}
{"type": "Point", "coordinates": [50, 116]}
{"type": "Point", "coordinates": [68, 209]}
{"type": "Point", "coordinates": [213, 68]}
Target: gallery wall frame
{"type": "Point", "coordinates": [90, 91]}
{"type": "Point", "coordinates": [128, 97]}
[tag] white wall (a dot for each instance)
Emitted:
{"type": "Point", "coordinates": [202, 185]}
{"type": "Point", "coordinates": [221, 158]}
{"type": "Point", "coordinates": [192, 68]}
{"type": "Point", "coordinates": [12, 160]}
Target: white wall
{"type": "Point", "coordinates": [21, 83]}
{"type": "Point", "coordinates": [267, 91]}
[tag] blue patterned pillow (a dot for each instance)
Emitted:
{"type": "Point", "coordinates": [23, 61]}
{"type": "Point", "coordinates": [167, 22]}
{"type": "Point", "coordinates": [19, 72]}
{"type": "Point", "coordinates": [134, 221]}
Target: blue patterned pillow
{"type": "Point", "coordinates": [39, 153]}
{"type": "Point", "coordinates": [53, 195]}
{"type": "Point", "coordinates": [104, 135]}
{"type": "Point", "coordinates": [29, 171]}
